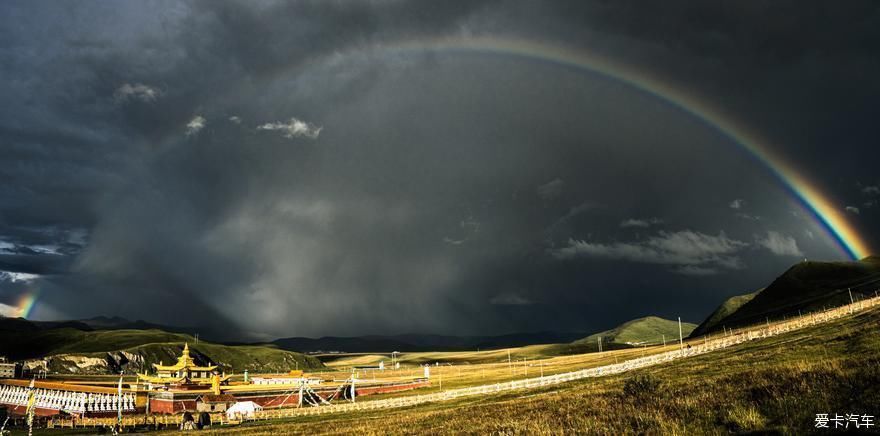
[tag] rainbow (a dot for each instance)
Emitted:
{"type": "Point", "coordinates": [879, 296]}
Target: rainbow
{"type": "Point", "coordinates": [815, 202]}
{"type": "Point", "coordinates": [26, 304]}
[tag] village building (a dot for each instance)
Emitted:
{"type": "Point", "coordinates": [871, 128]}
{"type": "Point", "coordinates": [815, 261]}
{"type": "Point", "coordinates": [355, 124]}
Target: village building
{"type": "Point", "coordinates": [214, 403]}
{"type": "Point", "coordinates": [9, 369]}
{"type": "Point", "coordinates": [185, 371]}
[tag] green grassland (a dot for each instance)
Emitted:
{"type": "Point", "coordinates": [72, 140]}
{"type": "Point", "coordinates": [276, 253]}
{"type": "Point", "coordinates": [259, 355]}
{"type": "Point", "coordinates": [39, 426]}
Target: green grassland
{"type": "Point", "coordinates": [775, 385]}
{"type": "Point", "coordinates": [650, 330]}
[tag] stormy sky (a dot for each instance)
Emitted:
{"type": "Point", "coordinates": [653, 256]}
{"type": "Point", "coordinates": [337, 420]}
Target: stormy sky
{"type": "Point", "coordinates": [274, 169]}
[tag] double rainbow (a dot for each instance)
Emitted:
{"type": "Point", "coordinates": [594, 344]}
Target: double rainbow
{"type": "Point", "coordinates": [829, 216]}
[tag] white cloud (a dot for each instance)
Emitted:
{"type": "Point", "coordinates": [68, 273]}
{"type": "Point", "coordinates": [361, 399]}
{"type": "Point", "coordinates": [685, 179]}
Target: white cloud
{"type": "Point", "coordinates": [737, 203]}
{"type": "Point", "coordinates": [852, 209]}
{"type": "Point", "coordinates": [509, 300]}
{"type": "Point", "coordinates": [871, 190]}
{"type": "Point", "coordinates": [293, 128]}
{"type": "Point", "coordinates": [9, 311]}
{"type": "Point", "coordinates": [195, 124]}
{"type": "Point", "coordinates": [235, 119]}
{"type": "Point", "coordinates": [685, 248]}
{"type": "Point", "coordinates": [780, 245]}
{"type": "Point", "coordinates": [551, 189]}
{"type": "Point", "coordinates": [137, 91]}
{"type": "Point", "coordinates": [644, 223]}
{"type": "Point", "coordinates": [18, 277]}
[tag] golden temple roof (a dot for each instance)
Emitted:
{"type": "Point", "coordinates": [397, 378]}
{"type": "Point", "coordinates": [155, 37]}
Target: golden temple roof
{"type": "Point", "coordinates": [183, 362]}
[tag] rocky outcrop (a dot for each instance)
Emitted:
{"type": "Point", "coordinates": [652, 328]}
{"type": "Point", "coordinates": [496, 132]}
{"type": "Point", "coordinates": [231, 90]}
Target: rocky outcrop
{"type": "Point", "coordinates": [93, 363]}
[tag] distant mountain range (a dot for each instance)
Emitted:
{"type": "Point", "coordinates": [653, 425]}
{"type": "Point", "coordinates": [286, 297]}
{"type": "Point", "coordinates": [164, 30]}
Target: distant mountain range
{"type": "Point", "coordinates": [416, 342]}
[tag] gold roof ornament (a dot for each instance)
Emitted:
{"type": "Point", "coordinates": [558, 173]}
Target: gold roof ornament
{"type": "Point", "coordinates": [184, 362]}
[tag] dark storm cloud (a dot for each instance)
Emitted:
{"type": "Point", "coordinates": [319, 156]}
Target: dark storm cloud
{"type": "Point", "coordinates": [268, 169]}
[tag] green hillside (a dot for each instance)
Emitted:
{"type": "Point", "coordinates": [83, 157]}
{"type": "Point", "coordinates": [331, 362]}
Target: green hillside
{"type": "Point", "coordinates": [728, 307]}
{"type": "Point", "coordinates": [648, 330]}
{"type": "Point", "coordinates": [28, 344]}
{"type": "Point", "coordinates": [238, 358]}
{"type": "Point", "coordinates": [69, 350]}
{"type": "Point", "coordinates": [805, 287]}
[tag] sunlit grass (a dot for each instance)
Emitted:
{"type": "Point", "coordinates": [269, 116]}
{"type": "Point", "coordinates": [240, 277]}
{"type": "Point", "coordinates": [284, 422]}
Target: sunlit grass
{"type": "Point", "coordinates": [775, 384]}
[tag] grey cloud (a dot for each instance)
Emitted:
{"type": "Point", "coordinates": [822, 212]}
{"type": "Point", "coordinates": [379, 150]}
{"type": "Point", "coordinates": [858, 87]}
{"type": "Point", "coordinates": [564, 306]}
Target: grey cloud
{"type": "Point", "coordinates": [509, 299]}
{"type": "Point", "coordinates": [737, 203]}
{"type": "Point", "coordinates": [779, 244]}
{"type": "Point", "coordinates": [697, 271]}
{"type": "Point", "coordinates": [428, 193]}
{"type": "Point", "coordinates": [643, 223]}
{"type": "Point", "coordinates": [551, 189]}
{"type": "Point", "coordinates": [852, 209]}
{"type": "Point", "coordinates": [746, 216]}
{"type": "Point", "coordinates": [293, 128]}
{"type": "Point", "coordinates": [137, 91]}
{"type": "Point", "coordinates": [686, 247]}
{"type": "Point", "coordinates": [17, 277]}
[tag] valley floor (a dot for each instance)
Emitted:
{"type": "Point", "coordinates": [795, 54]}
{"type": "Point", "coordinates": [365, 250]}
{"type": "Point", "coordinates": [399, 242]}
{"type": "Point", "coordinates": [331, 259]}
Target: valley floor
{"type": "Point", "coordinates": [778, 384]}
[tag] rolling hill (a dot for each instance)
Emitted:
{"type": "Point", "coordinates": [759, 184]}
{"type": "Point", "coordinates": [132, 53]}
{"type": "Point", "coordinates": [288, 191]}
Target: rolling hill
{"type": "Point", "coordinates": [728, 307]}
{"type": "Point", "coordinates": [647, 330]}
{"type": "Point", "coordinates": [805, 287]}
{"type": "Point", "coordinates": [71, 350]}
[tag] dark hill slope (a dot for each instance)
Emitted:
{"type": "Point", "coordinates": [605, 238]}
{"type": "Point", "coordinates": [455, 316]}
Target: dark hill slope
{"type": "Point", "coordinates": [805, 287]}
{"type": "Point", "coordinates": [728, 307]}
{"type": "Point", "coordinates": [71, 350]}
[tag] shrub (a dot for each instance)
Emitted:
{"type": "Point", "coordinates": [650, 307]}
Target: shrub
{"type": "Point", "coordinates": [641, 388]}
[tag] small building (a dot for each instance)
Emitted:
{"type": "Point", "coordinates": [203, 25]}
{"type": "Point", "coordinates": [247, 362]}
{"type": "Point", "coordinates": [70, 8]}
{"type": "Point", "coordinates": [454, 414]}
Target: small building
{"type": "Point", "coordinates": [243, 410]}
{"type": "Point", "coordinates": [214, 403]}
{"type": "Point", "coordinates": [185, 371]}
{"type": "Point", "coordinates": [8, 369]}
{"type": "Point", "coordinates": [294, 377]}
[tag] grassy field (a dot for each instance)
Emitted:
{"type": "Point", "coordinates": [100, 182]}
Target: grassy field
{"type": "Point", "coordinates": [777, 384]}
{"type": "Point", "coordinates": [650, 330]}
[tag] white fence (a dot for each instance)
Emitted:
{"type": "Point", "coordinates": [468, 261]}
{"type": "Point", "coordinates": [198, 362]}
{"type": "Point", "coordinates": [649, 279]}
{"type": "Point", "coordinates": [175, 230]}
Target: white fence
{"type": "Point", "coordinates": [698, 347]}
{"type": "Point", "coordinates": [66, 400]}
{"type": "Point", "coordinates": [706, 346]}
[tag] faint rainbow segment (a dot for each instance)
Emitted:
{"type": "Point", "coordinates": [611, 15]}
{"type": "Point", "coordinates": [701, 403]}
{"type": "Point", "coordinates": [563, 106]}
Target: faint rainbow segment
{"type": "Point", "coordinates": [829, 216]}
{"type": "Point", "coordinates": [823, 210]}
{"type": "Point", "coordinates": [26, 304]}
